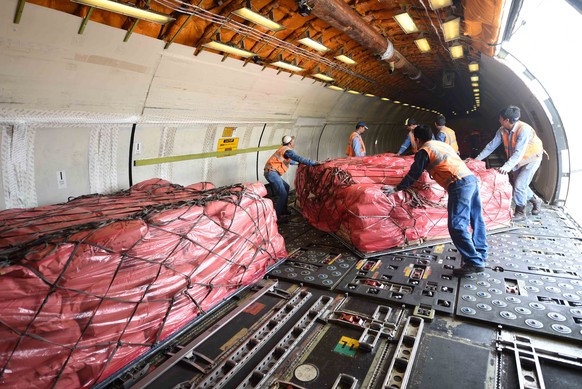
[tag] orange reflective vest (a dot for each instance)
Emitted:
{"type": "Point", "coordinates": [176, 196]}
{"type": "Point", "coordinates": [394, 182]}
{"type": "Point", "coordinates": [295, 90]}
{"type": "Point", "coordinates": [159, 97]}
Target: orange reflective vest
{"type": "Point", "coordinates": [450, 138]}
{"type": "Point", "coordinates": [534, 149]}
{"type": "Point", "coordinates": [445, 166]}
{"type": "Point", "coordinates": [350, 150]}
{"type": "Point", "coordinates": [412, 141]}
{"type": "Point", "coordinates": [278, 162]}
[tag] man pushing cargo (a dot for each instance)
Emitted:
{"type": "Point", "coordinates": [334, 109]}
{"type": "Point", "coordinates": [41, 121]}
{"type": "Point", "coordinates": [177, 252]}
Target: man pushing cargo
{"type": "Point", "coordinates": [524, 151]}
{"type": "Point", "coordinates": [464, 207]}
{"type": "Point", "coordinates": [276, 166]}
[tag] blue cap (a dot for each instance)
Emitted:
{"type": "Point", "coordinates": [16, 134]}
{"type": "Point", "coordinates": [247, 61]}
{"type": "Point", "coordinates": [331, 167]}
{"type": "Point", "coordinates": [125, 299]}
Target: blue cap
{"type": "Point", "coordinates": [361, 124]}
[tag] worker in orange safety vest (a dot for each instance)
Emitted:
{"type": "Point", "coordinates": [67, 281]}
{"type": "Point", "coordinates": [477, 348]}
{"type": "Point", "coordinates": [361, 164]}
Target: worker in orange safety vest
{"type": "Point", "coordinates": [464, 204]}
{"type": "Point", "coordinates": [356, 147]}
{"type": "Point", "coordinates": [445, 134]}
{"type": "Point", "coordinates": [524, 152]}
{"type": "Point", "coordinates": [276, 166]}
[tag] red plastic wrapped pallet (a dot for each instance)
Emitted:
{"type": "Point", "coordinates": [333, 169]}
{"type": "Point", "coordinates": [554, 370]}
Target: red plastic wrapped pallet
{"type": "Point", "coordinates": [88, 286]}
{"type": "Point", "coordinates": [344, 196]}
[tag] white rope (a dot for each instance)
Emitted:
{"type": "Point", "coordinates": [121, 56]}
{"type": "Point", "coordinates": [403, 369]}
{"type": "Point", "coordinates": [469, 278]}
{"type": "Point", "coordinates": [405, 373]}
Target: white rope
{"type": "Point", "coordinates": [103, 141]}
{"type": "Point", "coordinates": [18, 166]}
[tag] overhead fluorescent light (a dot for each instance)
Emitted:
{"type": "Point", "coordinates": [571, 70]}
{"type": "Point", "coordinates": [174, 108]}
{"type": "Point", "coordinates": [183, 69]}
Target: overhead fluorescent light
{"type": "Point", "coordinates": [287, 66]}
{"type": "Point", "coordinates": [422, 45]}
{"type": "Point", "coordinates": [315, 45]}
{"type": "Point", "coordinates": [323, 76]}
{"type": "Point", "coordinates": [457, 51]}
{"type": "Point", "coordinates": [127, 10]}
{"type": "Point", "coordinates": [385, 99]}
{"type": "Point", "coordinates": [474, 84]}
{"type": "Point", "coordinates": [254, 17]}
{"type": "Point", "coordinates": [438, 4]}
{"type": "Point", "coordinates": [474, 78]}
{"type": "Point", "coordinates": [228, 49]}
{"type": "Point", "coordinates": [369, 95]}
{"type": "Point", "coordinates": [354, 92]}
{"type": "Point", "coordinates": [452, 29]}
{"type": "Point", "coordinates": [474, 67]}
{"type": "Point", "coordinates": [333, 87]}
{"type": "Point", "coordinates": [345, 59]}
{"type": "Point", "coordinates": [396, 102]}
{"type": "Point", "coordinates": [406, 23]}
{"type": "Point", "coordinates": [475, 89]}
{"type": "Point", "coordinates": [405, 104]}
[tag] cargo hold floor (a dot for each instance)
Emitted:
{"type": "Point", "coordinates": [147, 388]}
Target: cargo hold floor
{"type": "Point", "coordinates": [326, 318]}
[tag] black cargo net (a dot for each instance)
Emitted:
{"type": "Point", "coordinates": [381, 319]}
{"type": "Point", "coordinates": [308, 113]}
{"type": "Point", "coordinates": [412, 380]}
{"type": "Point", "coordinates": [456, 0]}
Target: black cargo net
{"type": "Point", "coordinates": [89, 285]}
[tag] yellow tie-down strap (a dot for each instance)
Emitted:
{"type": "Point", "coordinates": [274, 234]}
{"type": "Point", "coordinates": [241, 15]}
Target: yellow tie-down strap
{"type": "Point", "coordinates": [186, 157]}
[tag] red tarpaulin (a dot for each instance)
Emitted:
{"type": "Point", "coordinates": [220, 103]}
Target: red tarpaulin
{"type": "Point", "coordinates": [344, 196]}
{"type": "Point", "coordinates": [88, 286]}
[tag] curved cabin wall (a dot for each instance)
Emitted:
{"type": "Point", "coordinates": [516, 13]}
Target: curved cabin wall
{"type": "Point", "coordinates": [76, 97]}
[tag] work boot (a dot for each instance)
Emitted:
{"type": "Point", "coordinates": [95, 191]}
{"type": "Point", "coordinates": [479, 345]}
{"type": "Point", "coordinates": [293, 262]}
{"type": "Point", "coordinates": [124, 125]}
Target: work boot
{"type": "Point", "coordinates": [537, 205]}
{"type": "Point", "coordinates": [465, 270]}
{"type": "Point", "coordinates": [519, 213]}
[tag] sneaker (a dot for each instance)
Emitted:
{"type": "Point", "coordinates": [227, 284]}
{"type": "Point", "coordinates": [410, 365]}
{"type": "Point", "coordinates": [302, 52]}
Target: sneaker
{"type": "Point", "coordinates": [466, 270]}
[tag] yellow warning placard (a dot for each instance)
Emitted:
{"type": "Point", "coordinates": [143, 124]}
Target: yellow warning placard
{"type": "Point", "coordinates": [228, 132]}
{"type": "Point", "coordinates": [227, 144]}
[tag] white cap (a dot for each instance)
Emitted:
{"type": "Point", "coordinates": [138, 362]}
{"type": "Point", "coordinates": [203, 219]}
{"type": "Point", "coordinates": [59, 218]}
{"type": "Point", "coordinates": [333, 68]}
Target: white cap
{"type": "Point", "coordinates": [287, 139]}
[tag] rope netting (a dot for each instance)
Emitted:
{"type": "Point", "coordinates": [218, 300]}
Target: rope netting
{"type": "Point", "coordinates": [89, 285]}
{"type": "Point", "coordinates": [345, 196]}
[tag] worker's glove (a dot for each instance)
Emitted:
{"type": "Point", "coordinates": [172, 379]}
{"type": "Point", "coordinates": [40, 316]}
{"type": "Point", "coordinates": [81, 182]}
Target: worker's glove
{"type": "Point", "coordinates": [388, 190]}
{"type": "Point", "coordinates": [503, 169]}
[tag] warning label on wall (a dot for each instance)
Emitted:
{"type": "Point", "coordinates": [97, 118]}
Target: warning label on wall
{"type": "Point", "coordinates": [227, 144]}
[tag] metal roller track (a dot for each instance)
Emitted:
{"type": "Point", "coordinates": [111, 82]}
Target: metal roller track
{"type": "Point", "coordinates": [271, 362]}
{"type": "Point", "coordinates": [187, 350]}
{"type": "Point", "coordinates": [401, 365]}
{"type": "Point", "coordinates": [224, 371]}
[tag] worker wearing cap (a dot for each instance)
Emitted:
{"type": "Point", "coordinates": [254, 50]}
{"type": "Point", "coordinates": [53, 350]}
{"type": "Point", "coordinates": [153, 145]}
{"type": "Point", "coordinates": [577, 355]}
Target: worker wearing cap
{"type": "Point", "coordinates": [409, 141]}
{"type": "Point", "coordinates": [524, 152]}
{"type": "Point", "coordinates": [464, 207]}
{"type": "Point", "coordinates": [356, 147]}
{"type": "Point", "coordinates": [276, 166]}
{"type": "Point", "coordinates": [445, 134]}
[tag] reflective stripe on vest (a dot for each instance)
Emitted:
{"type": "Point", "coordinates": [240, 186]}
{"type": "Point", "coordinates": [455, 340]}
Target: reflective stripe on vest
{"type": "Point", "coordinates": [278, 162]}
{"type": "Point", "coordinates": [350, 150]}
{"type": "Point", "coordinates": [534, 149]}
{"type": "Point", "coordinates": [450, 138]}
{"type": "Point", "coordinates": [445, 166]}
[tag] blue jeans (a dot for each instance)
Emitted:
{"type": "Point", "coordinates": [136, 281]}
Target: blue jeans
{"type": "Point", "coordinates": [465, 210]}
{"type": "Point", "coordinates": [521, 179]}
{"type": "Point", "coordinates": [281, 189]}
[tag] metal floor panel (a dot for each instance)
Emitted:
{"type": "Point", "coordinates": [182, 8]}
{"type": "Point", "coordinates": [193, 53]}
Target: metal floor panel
{"type": "Point", "coordinates": [550, 305]}
{"type": "Point", "coordinates": [544, 255]}
{"type": "Point", "coordinates": [517, 325]}
{"type": "Point", "coordinates": [552, 221]}
{"type": "Point", "coordinates": [416, 277]}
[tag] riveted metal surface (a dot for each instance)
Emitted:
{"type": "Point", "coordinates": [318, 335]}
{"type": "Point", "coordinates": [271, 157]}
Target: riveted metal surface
{"type": "Point", "coordinates": [415, 277]}
{"type": "Point", "coordinates": [528, 253]}
{"type": "Point", "coordinates": [546, 304]}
